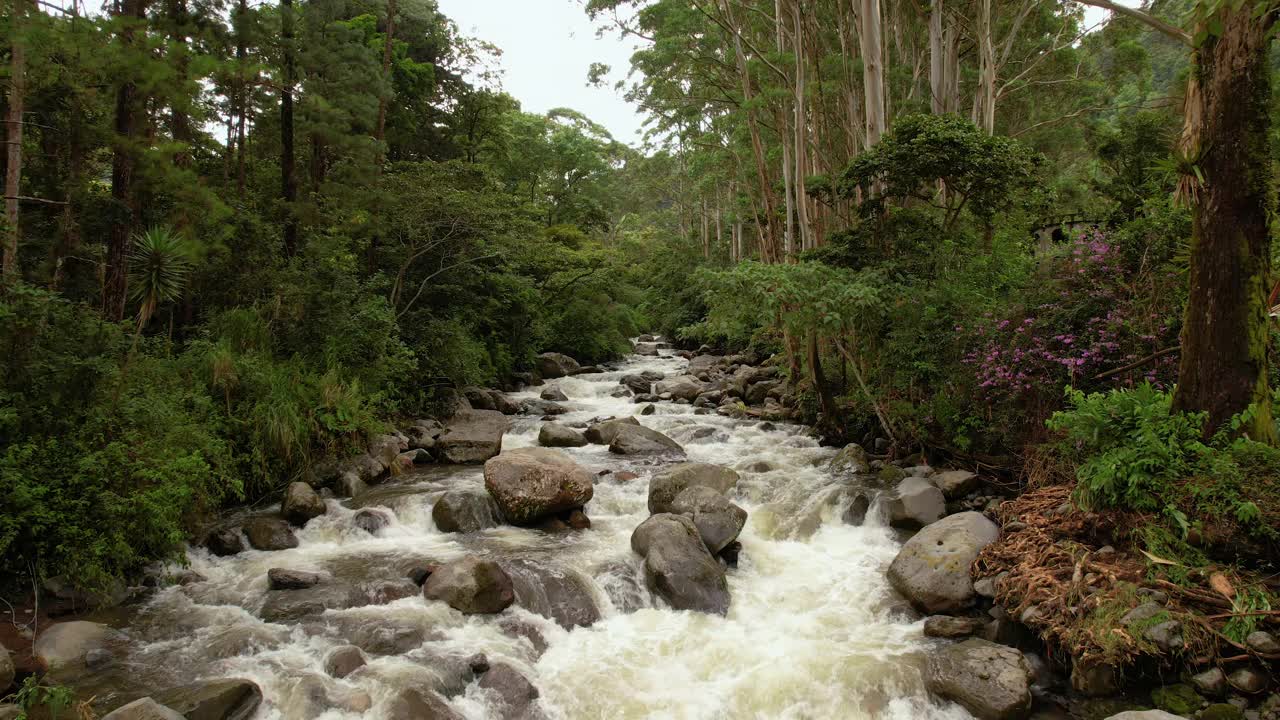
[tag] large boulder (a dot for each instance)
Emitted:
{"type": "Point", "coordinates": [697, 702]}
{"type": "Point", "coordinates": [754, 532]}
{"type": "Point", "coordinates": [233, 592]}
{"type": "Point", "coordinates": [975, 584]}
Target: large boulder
{"type": "Point", "coordinates": [718, 520]}
{"type": "Point", "coordinates": [640, 440]}
{"type": "Point", "coordinates": [557, 435]}
{"type": "Point", "coordinates": [287, 606]}
{"type": "Point", "coordinates": [932, 569]}
{"type": "Point", "coordinates": [681, 387]}
{"type": "Point", "coordinates": [554, 394]}
{"type": "Point", "coordinates": [666, 485]}
{"type": "Point", "coordinates": [480, 398]}
{"type": "Point", "coordinates": [472, 437]}
{"type": "Point", "coordinates": [419, 704]}
{"type": "Point", "coordinates": [542, 408]}
{"type": "Point", "coordinates": [529, 484]}
{"type": "Point", "coordinates": [556, 593]}
{"type": "Point", "coordinates": [955, 484]}
{"type": "Point", "coordinates": [68, 645]}
{"type": "Point", "coordinates": [516, 696]}
{"type": "Point", "coordinates": [344, 660]}
{"type": "Point", "coordinates": [268, 533]}
{"type": "Point", "coordinates": [471, 586]}
{"type": "Point", "coordinates": [677, 565]}
{"type": "Point", "coordinates": [556, 365]}
{"type": "Point", "coordinates": [231, 699]}
{"type": "Point", "coordinates": [288, 579]}
{"type": "Point", "coordinates": [991, 681]}
{"type": "Point", "coordinates": [639, 384]}
{"type": "Point", "coordinates": [916, 503]}
{"type": "Point", "coordinates": [143, 709]}
{"type": "Point", "coordinates": [603, 433]}
{"type": "Point", "coordinates": [464, 510]}
{"type": "Point", "coordinates": [224, 541]}
{"type": "Point", "coordinates": [301, 503]}
{"type": "Point", "coordinates": [852, 460]}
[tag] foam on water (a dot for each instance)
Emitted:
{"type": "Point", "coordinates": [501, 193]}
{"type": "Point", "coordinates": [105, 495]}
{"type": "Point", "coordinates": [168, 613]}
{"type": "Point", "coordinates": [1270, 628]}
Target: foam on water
{"type": "Point", "coordinates": [813, 630]}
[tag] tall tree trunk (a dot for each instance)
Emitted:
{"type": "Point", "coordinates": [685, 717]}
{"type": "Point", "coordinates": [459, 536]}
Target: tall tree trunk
{"type": "Point", "coordinates": [13, 168]}
{"type": "Point", "coordinates": [379, 132]}
{"type": "Point", "coordinates": [872, 69]}
{"type": "Point", "coordinates": [288, 181]}
{"type": "Point", "coordinates": [242, 90]}
{"type": "Point", "coordinates": [1223, 368]}
{"type": "Point", "coordinates": [124, 195]}
{"type": "Point", "coordinates": [937, 60]}
{"type": "Point", "coordinates": [984, 98]}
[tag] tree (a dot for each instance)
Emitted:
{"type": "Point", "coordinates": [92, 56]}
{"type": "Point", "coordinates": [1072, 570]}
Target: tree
{"type": "Point", "coordinates": [14, 123]}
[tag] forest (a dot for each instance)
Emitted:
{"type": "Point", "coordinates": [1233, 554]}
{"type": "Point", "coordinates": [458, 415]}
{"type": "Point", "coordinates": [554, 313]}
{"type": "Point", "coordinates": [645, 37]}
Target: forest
{"type": "Point", "coordinates": [242, 239]}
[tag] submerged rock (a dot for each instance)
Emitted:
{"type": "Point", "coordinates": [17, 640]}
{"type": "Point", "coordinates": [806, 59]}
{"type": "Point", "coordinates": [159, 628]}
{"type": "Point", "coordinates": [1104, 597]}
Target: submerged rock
{"type": "Point", "coordinates": [232, 699]}
{"type": "Point", "coordinates": [677, 565]}
{"type": "Point", "coordinates": [516, 695]}
{"type": "Point", "coordinates": [471, 586]}
{"type": "Point", "coordinates": [417, 704]}
{"type": "Point", "coordinates": [267, 533]}
{"type": "Point", "coordinates": [284, 606]}
{"type": "Point", "coordinates": [371, 521]}
{"type": "Point", "coordinates": [991, 681]}
{"type": "Point", "coordinates": [69, 645]}
{"type": "Point", "coordinates": [552, 592]}
{"type": "Point", "coordinates": [472, 437]}
{"type": "Point", "coordinates": [932, 569]}
{"type": "Point", "coordinates": [286, 579]}
{"type": "Point", "coordinates": [666, 485]}
{"type": "Point", "coordinates": [529, 484]}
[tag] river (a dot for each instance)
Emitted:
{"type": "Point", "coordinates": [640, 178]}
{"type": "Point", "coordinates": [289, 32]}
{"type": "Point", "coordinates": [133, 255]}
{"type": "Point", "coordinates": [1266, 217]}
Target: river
{"type": "Point", "coordinates": [814, 630]}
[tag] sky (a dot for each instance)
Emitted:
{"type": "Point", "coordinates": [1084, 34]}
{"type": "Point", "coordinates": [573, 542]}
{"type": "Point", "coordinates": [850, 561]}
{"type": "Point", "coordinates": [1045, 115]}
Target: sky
{"type": "Point", "coordinates": [548, 46]}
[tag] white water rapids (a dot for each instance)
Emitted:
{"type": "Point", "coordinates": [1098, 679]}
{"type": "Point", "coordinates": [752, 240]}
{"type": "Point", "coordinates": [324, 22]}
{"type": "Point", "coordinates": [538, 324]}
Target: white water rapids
{"type": "Point", "coordinates": [813, 631]}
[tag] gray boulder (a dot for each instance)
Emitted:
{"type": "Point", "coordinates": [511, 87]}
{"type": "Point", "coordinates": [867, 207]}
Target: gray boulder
{"type": "Point", "coordinates": [143, 709]}
{"type": "Point", "coordinates": [301, 504]}
{"type": "Point", "coordinates": [471, 586]}
{"type": "Point", "coordinates": [991, 681]}
{"type": "Point", "coordinates": [638, 384]}
{"type": "Point", "coordinates": [932, 569]}
{"type": "Point", "coordinates": [948, 626]}
{"type": "Point", "coordinates": [1263, 642]}
{"type": "Point", "coordinates": [286, 579]}
{"type": "Point", "coordinates": [506, 405]}
{"type": "Point", "coordinates": [68, 645]}
{"type": "Point", "coordinates": [640, 440]}
{"type": "Point", "coordinates": [232, 699]}
{"type": "Point", "coordinates": [472, 437]}
{"type": "Point", "coordinates": [557, 435]}
{"type": "Point", "coordinates": [678, 567]}
{"type": "Point", "coordinates": [224, 542]}
{"type": "Point", "coordinates": [529, 484]}
{"type": "Point", "coordinates": [1144, 715]}
{"type": "Point", "coordinates": [603, 433]}
{"type": "Point", "coordinates": [718, 520]}
{"type": "Point", "coordinates": [287, 606]}
{"type": "Point", "coordinates": [666, 485]}
{"type": "Point", "coordinates": [419, 704]}
{"type": "Point", "coordinates": [681, 387]}
{"type": "Point", "coordinates": [556, 593]}
{"type": "Point", "coordinates": [955, 484]}
{"type": "Point", "coordinates": [852, 460]}
{"type": "Point", "coordinates": [542, 408]}
{"type": "Point", "coordinates": [268, 533]}
{"type": "Point", "coordinates": [343, 660]}
{"type": "Point", "coordinates": [464, 510]}
{"type": "Point", "coordinates": [516, 695]}
{"type": "Point", "coordinates": [554, 394]}
{"type": "Point", "coordinates": [556, 365]}
{"type": "Point", "coordinates": [371, 520]}
{"type": "Point", "coordinates": [916, 503]}
{"type": "Point", "coordinates": [480, 398]}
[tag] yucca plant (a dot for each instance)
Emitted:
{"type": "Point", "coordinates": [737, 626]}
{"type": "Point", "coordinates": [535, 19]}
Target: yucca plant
{"type": "Point", "coordinates": [158, 267]}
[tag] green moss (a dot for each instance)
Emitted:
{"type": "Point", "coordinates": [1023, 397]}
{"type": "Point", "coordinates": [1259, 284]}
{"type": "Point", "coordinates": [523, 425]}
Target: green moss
{"type": "Point", "coordinates": [1222, 711]}
{"type": "Point", "coordinates": [1180, 699]}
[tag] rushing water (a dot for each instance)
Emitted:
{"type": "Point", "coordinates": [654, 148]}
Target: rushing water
{"type": "Point", "coordinates": [813, 631]}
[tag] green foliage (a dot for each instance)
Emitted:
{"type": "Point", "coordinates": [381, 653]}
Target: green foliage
{"type": "Point", "coordinates": [158, 268]}
{"type": "Point", "coordinates": [34, 695]}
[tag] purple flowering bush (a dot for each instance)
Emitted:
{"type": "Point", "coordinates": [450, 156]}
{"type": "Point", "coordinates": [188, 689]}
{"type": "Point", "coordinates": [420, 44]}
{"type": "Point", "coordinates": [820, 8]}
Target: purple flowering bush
{"type": "Point", "coordinates": [1085, 314]}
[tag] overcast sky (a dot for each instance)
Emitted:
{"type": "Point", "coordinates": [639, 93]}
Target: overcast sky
{"type": "Point", "coordinates": [548, 46]}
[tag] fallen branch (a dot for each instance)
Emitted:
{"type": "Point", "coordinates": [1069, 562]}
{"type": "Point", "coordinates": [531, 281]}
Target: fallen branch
{"type": "Point", "coordinates": [1139, 363]}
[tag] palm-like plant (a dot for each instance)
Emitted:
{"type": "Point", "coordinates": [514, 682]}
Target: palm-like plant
{"type": "Point", "coordinates": [158, 267]}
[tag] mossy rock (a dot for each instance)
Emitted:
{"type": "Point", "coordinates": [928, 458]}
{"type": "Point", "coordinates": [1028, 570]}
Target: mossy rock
{"type": "Point", "coordinates": [1222, 711]}
{"type": "Point", "coordinates": [890, 474]}
{"type": "Point", "coordinates": [1180, 699]}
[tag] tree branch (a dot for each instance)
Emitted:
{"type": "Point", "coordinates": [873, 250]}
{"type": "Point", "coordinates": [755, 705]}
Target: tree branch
{"type": "Point", "coordinates": [1151, 21]}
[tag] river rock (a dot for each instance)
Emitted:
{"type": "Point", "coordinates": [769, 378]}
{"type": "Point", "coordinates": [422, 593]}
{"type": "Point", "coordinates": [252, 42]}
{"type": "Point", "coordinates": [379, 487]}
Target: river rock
{"type": "Point", "coordinates": [553, 393]}
{"type": "Point", "coordinates": [472, 437]}
{"type": "Point", "coordinates": [480, 398]}
{"type": "Point", "coordinates": [947, 626]}
{"type": "Point", "coordinates": [542, 408]}
{"type": "Point", "coordinates": [916, 503]}
{"type": "Point", "coordinates": [313, 696]}
{"type": "Point", "coordinates": [646, 349]}
{"type": "Point", "coordinates": [718, 520]}
{"type": "Point", "coordinates": [143, 709]}
{"type": "Point", "coordinates": [349, 484]}
{"type": "Point", "coordinates": [516, 695]}
{"type": "Point", "coordinates": [268, 533]}
{"type": "Point", "coordinates": [371, 521]}
{"type": "Point", "coordinates": [419, 704]}
{"type": "Point", "coordinates": [851, 460]}
{"type": "Point", "coordinates": [556, 365]}
{"type": "Point", "coordinates": [638, 384]}
{"type": "Point", "coordinates": [1144, 715]}
{"type": "Point", "coordinates": [1263, 642]}
{"type": "Point", "coordinates": [343, 660]}
{"type": "Point", "coordinates": [955, 484]}
{"type": "Point", "coordinates": [422, 434]}
{"type": "Point", "coordinates": [932, 569]}
{"type": "Point", "coordinates": [678, 567]}
{"type": "Point", "coordinates": [224, 542]}
{"type": "Point", "coordinates": [529, 484]}
{"type": "Point", "coordinates": [1211, 682]}
{"type": "Point", "coordinates": [506, 405]}
{"type": "Point", "coordinates": [231, 699]}
{"type": "Point", "coordinates": [68, 645]}
{"type": "Point", "coordinates": [1248, 680]}
{"type": "Point", "coordinates": [603, 433]}
{"type": "Point", "coordinates": [557, 435]}
{"type": "Point", "coordinates": [681, 387]}
{"type": "Point", "coordinates": [301, 504]}
{"type": "Point", "coordinates": [991, 681]}
{"type": "Point", "coordinates": [666, 485]}
{"type": "Point", "coordinates": [640, 440]}
{"type": "Point", "coordinates": [464, 510]}
{"type": "Point", "coordinates": [471, 586]}
{"type": "Point", "coordinates": [286, 579]}
{"type": "Point", "coordinates": [286, 606]}
{"type": "Point", "coordinates": [553, 592]}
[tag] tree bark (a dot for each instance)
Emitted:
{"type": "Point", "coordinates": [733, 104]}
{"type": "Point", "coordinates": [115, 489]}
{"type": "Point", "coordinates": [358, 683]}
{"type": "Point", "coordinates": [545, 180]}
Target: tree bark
{"type": "Point", "coordinates": [13, 168]}
{"type": "Point", "coordinates": [937, 61]}
{"type": "Point", "coordinates": [124, 196]}
{"type": "Point", "coordinates": [288, 180]}
{"type": "Point", "coordinates": [1225, 334]}
{"type": "Point", "coordinates": [872, 69]}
